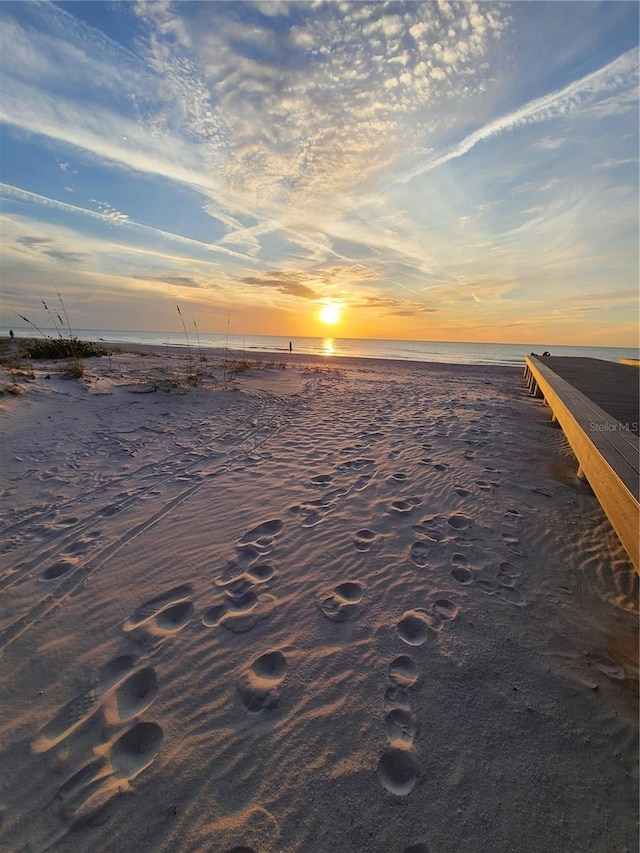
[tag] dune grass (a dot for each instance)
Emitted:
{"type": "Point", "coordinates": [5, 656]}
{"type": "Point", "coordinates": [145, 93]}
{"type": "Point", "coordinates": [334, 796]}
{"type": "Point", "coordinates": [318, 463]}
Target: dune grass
{"type": "Point", "coordinates": [63, 345]}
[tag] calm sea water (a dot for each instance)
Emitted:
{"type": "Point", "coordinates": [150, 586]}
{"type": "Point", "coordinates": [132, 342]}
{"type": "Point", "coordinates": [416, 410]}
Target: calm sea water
{"type": "Point", "coordinates": [450, 353]}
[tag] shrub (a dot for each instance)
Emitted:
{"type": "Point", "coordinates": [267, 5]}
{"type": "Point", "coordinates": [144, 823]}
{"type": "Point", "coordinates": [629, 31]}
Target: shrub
{"type": "Point", "coordinates": [54, 348]}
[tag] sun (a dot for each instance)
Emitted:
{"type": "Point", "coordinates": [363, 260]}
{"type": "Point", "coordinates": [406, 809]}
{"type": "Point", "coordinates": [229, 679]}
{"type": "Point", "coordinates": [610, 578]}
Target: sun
{"type": "Point", "coordinates": [330, 314]}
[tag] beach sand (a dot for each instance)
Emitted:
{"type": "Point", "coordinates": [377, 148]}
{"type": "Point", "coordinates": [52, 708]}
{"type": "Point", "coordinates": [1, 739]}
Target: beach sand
{"type": "Point", "coordinates": [353, 606]}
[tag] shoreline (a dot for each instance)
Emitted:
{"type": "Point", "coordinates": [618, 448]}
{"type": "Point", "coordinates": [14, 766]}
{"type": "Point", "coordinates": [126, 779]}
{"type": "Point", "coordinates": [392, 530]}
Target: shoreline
{"type": "Point", "coordinates": [285, 357]}
{"type": "Point", "coordinates": [337, 348]}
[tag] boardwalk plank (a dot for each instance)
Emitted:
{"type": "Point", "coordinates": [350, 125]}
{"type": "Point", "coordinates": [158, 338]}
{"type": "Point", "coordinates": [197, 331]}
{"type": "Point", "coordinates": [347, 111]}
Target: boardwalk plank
{"type": "Point", "coordinates": [607, 450]}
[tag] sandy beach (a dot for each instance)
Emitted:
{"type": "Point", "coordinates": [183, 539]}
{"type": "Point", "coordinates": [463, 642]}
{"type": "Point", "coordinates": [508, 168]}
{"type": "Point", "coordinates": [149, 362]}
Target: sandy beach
{"type": "Point", "coordinates": [309, 606]}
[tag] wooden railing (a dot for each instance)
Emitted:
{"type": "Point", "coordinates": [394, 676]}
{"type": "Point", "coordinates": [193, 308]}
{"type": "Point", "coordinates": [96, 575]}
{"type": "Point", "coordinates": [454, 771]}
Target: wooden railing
{"type": "Point", "coordinates": [608, 453]}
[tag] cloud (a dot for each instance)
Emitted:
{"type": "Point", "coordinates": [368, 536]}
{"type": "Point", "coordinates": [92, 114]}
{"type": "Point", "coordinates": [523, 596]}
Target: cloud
{"type": "Point", "coordinates": [182, 281]}
{"type": "Point", "coordinates": [288, 283]}
{"type": "Point", "coordinates": [291, 288]}
{"type": "Point", "coordinates": [43, 245]}
{"type": "Point", "coordinates": [550, 143]}
{"type": "Point", "coordinates": [392, 305]}
{"type": "Point", "coordinates": [627, 295]}
{"type": "Point", "coordinates": [65, 257]}
{"type": "Point", "coordinates": [614, 164]}
{"type": "Point", "coordinates": [284, 121]}
{"type": "Point", "coordinates": [176, 280]}
{"type": "Point", "coordinates": [314, 283]}
{"type": "Point", "coordinates": [12, 192]}
{"type": "Point", "coordinates": [253, 113]}
{"type": "Point", "coordinates": [621, 73]}
{"type": "Point", "coordinates": [33, 242]}
{"type": "Point", "coordinates": [110, 213]}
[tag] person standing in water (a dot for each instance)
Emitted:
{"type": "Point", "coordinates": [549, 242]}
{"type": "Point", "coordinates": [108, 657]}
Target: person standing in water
{"type": "Point", "coordinates": [290, 347]}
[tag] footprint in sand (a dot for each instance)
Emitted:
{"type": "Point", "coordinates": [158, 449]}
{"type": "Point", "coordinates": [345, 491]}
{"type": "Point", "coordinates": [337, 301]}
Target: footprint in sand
{"type": "Point", "coordinates": [261, 573]}
{"type": "Point", "coordinates": [56, 570]}
{"type": "Point", "coordinates": [240, 609]}
{"type": "Point", "coordinates": [397, 695]}
{"type": "Point", "coordinates": [486, 486]}
{"type": "Point", "coordinates": [403, 671]}
{"type": "Point", "coordinates": [240, 593]}
{"type": "Point", "coordinates": [364, 538]}
{"type": "Point", "coordinates": [312, 512]}
{"type": "Point", "coordinates": [462, 575]}
{"type": "Point", "coordinates": [213, 615]}
{"type": "Point", "coordinates": [81, 707]}
{"type": "Point", "coordinates": [504, 586]}
{"type": "Point", "coordinates": [133, 696]}
{"type": "Point", "coordinates": [400, 727]}
{"type": "Point", "coordinates": [512, 543]}
{"type": "Point", "coordinates": [417, 848]}
{"type": "Point", "coordinates": [134, 751]}
{"type": "Point", "coordinates": [268, 530]}
{"type": "Point", "coordinates": [442, 611]}
{"type": "Point", "coordinates": [244, 603]}
{"type": "Point", "coordinates": [321, 480]}
{"type": "Point", "coordinates": [398, 770]}
{"type": "Point", "coordinates": [356, 464]}
{"type": "Point", "coordinates": [434, 528]}
{"type": "Point", "coordinates": [247, 553]}
{"type": "Point", "coordinates": [258, 688]}
{"type": "Point", "coordinates": [507, 575]}
{"type": "Point", "coordinates": [175, 600]}
{"type": "Point", "coordinates": [420, 551]}
{"type": "Point", "coordinates": [75, 791]}
{"type": "Point", "coordinates": [461, 491]}
{"type": "Point", "coordinates": [83, 798]}
{"type": "Point", "coordinates": [416, 625]}
{"type": "Point", "coordinates": [403, 507]}
{"type": "Point", "coordinates": [403, 676]}
{"type": "Point", "coordinates": [459, 521]}
{"type": "Point", "coordinates": [173, 618]}
{"type": "Point", "coordinates": [78, 548]}
{"type": "Point", "coordinates": [343, 602]}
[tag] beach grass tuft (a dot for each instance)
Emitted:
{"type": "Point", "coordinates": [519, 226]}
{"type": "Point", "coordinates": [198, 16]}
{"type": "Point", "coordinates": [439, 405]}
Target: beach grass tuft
{"type": "Point", "coordinates": [62, 345]}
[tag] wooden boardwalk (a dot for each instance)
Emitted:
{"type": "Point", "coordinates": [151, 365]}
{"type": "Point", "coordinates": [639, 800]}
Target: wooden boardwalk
{"type": "Point", "coordinates": [597, 405]}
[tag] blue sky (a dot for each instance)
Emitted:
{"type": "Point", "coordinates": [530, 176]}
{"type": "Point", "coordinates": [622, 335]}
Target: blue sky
{"type": "Point", "coordinates": [436, 171]}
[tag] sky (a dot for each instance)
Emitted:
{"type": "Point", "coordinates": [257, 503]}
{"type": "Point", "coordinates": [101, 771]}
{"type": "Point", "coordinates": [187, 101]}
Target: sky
{"type": "Point", "coordinates": [422, 171]}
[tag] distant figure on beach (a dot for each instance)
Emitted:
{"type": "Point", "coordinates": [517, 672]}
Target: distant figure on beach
{"type": "Point", "coordinates": [546, 352]}
{"type": "Point", "coordinates": [290, 347]}
{"type": "Point", "coordinates": [11, 334]}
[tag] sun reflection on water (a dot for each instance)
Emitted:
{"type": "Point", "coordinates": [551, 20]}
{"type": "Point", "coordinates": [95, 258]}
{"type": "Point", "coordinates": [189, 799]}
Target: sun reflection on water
{"type": "Point", "coordinates": [327, 347]}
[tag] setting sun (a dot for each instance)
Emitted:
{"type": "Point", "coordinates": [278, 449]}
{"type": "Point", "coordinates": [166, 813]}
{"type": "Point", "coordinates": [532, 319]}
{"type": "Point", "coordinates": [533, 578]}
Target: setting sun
{"type": "Point", "coordinates": [330, 314]}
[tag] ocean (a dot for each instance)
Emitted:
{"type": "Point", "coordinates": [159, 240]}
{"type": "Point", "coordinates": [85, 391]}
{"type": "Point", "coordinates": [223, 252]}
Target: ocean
{"type": "Point", "coordinates": [449, 353]}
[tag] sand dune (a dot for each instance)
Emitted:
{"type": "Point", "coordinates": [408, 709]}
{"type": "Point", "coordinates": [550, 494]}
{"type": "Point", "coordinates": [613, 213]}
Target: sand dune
{"type": "Point", "coordinates": [365, 607]}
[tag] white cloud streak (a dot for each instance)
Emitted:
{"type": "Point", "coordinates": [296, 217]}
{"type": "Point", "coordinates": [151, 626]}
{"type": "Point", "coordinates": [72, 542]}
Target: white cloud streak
{"type": "Point", "coordinates": [621, 72]}
{"type": "Point", "coordinates": [107, 216]}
